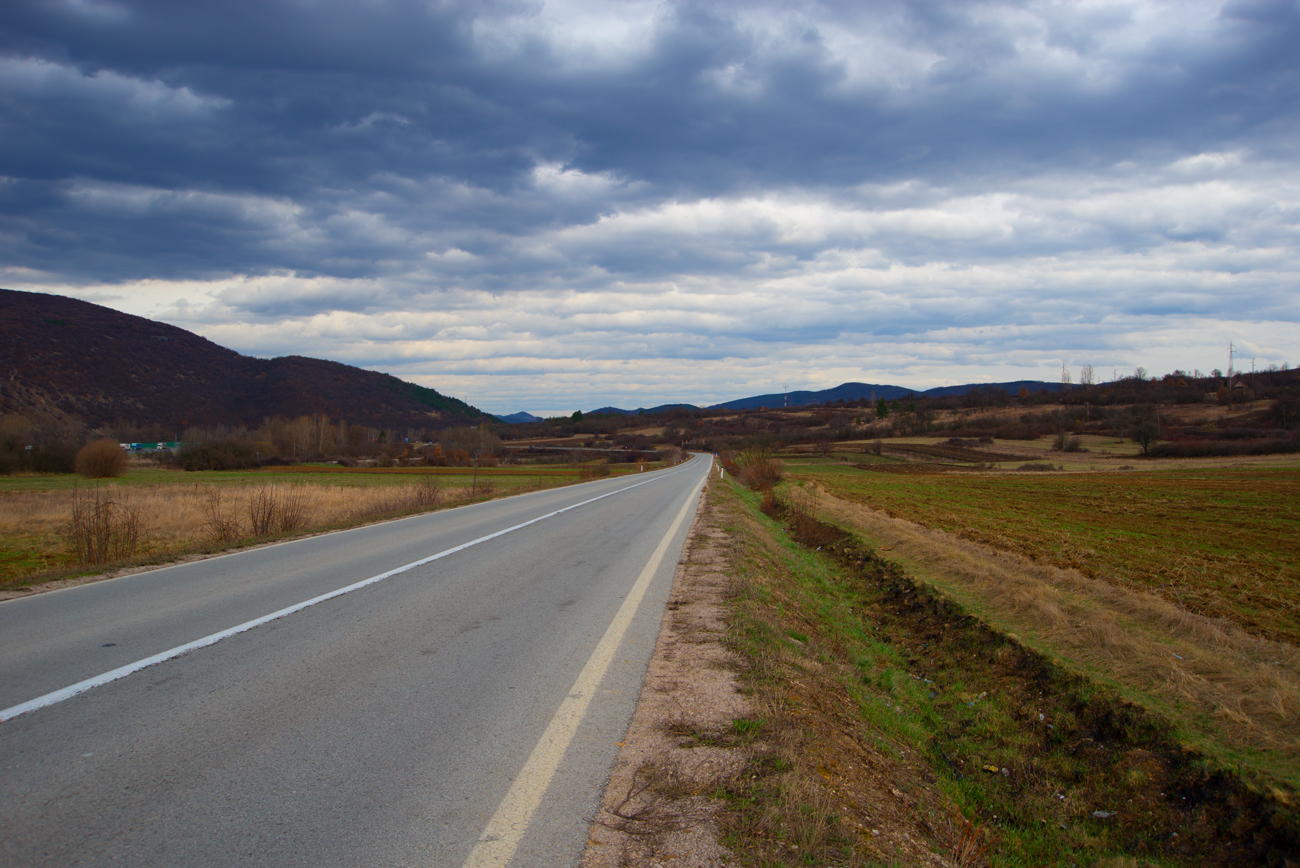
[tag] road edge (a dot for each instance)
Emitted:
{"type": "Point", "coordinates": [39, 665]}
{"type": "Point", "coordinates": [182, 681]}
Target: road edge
{"type": "Point", "coordinates": [655, 807]}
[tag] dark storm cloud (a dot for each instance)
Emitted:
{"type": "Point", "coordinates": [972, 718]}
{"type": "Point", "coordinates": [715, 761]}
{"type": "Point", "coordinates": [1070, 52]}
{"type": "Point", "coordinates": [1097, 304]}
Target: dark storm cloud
{"type": "Point", "coordinates": [321, 104]}
{"type": "Point", "coordinates": [543, 187]}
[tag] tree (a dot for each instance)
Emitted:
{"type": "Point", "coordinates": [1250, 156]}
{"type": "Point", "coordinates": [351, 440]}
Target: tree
{"type": "Point", "coordinates": [882, 409]}
{"type": "Point", "coordinates": [1144, 434]}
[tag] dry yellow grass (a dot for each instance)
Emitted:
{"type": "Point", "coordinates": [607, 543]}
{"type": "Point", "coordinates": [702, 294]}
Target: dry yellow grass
{"type": "Point", "coordinates": [1237, 689]}
{"type": "Point", "coordinates": [180, 518]}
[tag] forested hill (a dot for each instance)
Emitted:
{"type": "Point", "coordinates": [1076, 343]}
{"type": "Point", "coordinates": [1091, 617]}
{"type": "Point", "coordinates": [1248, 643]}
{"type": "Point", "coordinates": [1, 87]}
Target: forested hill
{"type": "Point", "coordinates": [67, 357]}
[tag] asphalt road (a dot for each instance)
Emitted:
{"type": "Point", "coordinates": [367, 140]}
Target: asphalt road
{"type": "Point", "coordinates": [464, 711]}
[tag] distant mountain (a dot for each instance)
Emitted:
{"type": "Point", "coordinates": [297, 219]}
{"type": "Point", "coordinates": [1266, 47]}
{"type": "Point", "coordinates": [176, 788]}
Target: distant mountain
{"type": "Point", "coordinates": [71, 357]}
{"type": "Point", "coordinates": [520, 418]}
{"type": "Point", "coordinates": [858, 391]}
{"type": "Point", "coordinates": [642, 411]}
{"type": "Point", "coordinates": [1011, 388]}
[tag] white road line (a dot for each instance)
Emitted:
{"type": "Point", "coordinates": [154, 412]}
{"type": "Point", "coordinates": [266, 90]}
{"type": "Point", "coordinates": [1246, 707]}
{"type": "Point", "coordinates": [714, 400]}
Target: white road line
{"type": "Point", "coordinates": [122, 671]}
{"type": "Point", "coordinates": [497, 845]}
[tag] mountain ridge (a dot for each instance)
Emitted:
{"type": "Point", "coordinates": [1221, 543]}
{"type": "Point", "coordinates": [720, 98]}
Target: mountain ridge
{"type": "Point", "coordinates": [857, 391]}
{"type": "Point", "coordinates": [75, 358]}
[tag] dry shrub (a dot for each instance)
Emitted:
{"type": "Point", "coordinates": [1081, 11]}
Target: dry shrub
{"type": "Point", "coordinates": [1065, 443]}
{"type": "Point", "coordinates": [101, 459]}
{"type": "Point", "coordinates": [594, 471]}
{"type": "Point", "coordinates": [278, 509]}
{"type": "Point", "coordinates": [221, 520]}
{"type": "Point", "coordinates": [759, 470]}
{"type": "Point", "coordinates": [103, 528]}
{"type": "Point", "coordinates": [424, 494]}
{"type": "Point", "coordinates": [673, 456]}
{"type": "Point", "coordinates": [421, 495]}
{"type": "Point", "coordinates": [806, 528]}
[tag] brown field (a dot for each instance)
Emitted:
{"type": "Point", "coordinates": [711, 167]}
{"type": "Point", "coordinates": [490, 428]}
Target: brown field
{"type": "Point", "coordinates": [1180, 587]}
{"type": "Point", "coordinates": [1222, 541]}
{"type": "Point", "coordinates": [889, 726]}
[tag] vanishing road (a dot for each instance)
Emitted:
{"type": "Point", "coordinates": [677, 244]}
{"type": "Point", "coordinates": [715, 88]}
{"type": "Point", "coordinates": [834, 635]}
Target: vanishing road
{"type": "Point", "coordinates": [456, 699]}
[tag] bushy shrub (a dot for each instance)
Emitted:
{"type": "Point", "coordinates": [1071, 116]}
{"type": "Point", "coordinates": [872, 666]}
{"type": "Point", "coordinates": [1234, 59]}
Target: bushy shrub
{"type": "Point", "coordinates": [217, 455]}
{"type": "Point", "coordinates": [759, 470]}
{"type": "Point", "coordinates": [1065, 443]}
{"type": "Point", "coordinates": [55, 457]}
{"type": "Point", "coordinates": [101, 459]}
{"type": "Point", "coordinates": [1219, 448]}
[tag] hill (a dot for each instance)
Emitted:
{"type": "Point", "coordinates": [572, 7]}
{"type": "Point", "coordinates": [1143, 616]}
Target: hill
{"type": "Point", "coordinates": [641, 411]}
{"type": "Point", "coordinates": [870, 391]}
{"type": "Point", "coordinates": [520, 418]}
{"type": "Point", "coordinates": [71, 358]}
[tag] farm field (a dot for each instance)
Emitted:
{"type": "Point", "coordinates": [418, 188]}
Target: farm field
{"type": "Point", "coordinates": [1177, 586]}
{"type": "Point", "coordinates": [164, 514]}
{"type": "Point", "coordinates": [887, 722]}
{"type": "Point", "coordinates": [1221, 541]}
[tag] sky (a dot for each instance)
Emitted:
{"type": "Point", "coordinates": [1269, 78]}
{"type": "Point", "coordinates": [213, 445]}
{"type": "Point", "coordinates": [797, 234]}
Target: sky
{"type": "Point", "coordinates": [554, 206]}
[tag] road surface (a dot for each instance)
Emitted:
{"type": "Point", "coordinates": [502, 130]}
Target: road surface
{"type": "Point", "coordinates": [442, 690]}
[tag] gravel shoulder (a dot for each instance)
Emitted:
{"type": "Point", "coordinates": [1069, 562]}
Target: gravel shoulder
{"type": "Point", "coordinates": [656, 808]}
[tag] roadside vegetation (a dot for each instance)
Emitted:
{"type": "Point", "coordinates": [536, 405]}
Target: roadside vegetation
{"type": "Point", "coordinates": [56, 526]}
{"type": "Point", "coordinates": [892, 724]}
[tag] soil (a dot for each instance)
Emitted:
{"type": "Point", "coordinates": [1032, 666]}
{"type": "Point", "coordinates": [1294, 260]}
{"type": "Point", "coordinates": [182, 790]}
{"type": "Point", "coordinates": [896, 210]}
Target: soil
{"type": "Point", "coordinates": [657, 808]}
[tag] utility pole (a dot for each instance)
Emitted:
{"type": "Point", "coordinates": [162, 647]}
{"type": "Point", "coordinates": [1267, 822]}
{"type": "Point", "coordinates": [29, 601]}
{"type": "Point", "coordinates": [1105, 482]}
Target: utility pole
{"type": "Point", "coordinates": [1231, 350]}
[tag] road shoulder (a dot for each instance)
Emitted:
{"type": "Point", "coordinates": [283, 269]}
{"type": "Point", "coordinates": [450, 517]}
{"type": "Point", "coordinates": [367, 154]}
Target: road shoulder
{"type": "Point", "coordinates": [656, 807]}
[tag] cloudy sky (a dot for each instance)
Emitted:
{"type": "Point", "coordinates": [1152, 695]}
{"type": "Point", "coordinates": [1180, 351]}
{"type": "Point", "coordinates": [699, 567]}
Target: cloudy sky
{"type": "Point", "coordinates": [551, 206]}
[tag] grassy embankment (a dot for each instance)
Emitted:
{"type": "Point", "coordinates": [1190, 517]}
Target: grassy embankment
{"type": "Point", "coordinates": [178, 513]}
{"type": "Point", "coordinates": [986, 747]}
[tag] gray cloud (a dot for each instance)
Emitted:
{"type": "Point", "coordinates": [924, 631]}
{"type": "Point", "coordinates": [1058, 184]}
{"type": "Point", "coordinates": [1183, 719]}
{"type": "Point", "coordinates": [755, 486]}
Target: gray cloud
{"type": "Point", "coordinates": [492, 191]}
